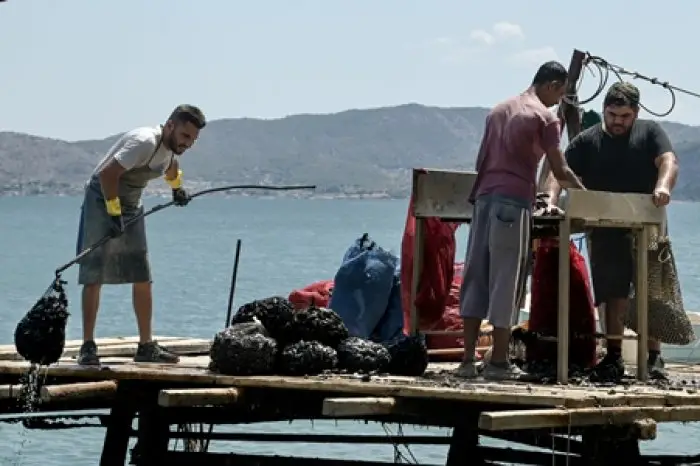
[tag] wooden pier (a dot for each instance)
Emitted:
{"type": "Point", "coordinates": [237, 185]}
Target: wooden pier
{"type": "Point", "coordinates": [610, 420]}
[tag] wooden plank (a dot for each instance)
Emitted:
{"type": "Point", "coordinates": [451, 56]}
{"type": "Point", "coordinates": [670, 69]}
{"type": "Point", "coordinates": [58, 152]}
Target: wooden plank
{"type": "Point", "coordinates": [563, 303]}
{"type": "Point", "coordinates": [601, 208]}
{"type": "Point", "coordinates": [550, 418]}
{"type": "Point", "coordinates": [8, 392]}
{"type": "Point", "coordinates": [641, 286]}
{"type": "Point", "coordinates": [516, 394]}
{"type": "Point", "coordinates": [179, 346]}
{"type": "Point", "coordinates": [198, 397]}
{"type": "Point", "coordinates": [9, 352]}
{"type": "Point", "coordinates": [442, 193]}
{"type": "Point", "coordinates": [358, 407]}
{"type": "Point", "coordinates": [105, 389]}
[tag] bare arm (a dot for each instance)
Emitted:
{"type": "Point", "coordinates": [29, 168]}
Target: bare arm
{"type": "Point", "coordinates": [564, 175]}
{"type": "Point", "coordinates": [136, 148]}
{"type": "Point", "coordinates": [667, 163]}
{"type": "Point", "coordinates": [109, 179]}
{"type": "Point", "coordinates": [172, 171]}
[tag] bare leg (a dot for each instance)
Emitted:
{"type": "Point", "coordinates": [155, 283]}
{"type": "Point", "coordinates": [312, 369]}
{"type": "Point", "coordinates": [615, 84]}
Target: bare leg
{"type": "Point", "coordinates": [471, 335]}
{"type": "Point", "coordinates": [501, 340]}
{"type": "Point", "coordinates": [90, 305]}
{"type": "Point", "coordinates": [614, 322]}
{"type": "Point", "coordinates": [142, 298]}
{"type": "Point", "coordinates": [148, 350]}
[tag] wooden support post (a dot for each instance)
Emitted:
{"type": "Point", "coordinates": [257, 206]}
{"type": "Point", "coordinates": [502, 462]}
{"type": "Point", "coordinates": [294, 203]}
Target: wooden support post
{"type": "Point", "coordinates": [563, 300]}
{"type": "Point", "coordinates": [569, 113]}
{"type": "Point", "coordinates": [198, 397]}
{"type": "Point", "coordinates": [10, 391]}
{"type": "Point", "coordinates": [105, 389]}
{"type": "Point", "coordinates": [358, 407]}
{"type": "Point", "coordinates": [417, 269]}
{"type": "Point", "coordinates": [641, 287]}
{"type": "Point", "coordinates": [119, 422]}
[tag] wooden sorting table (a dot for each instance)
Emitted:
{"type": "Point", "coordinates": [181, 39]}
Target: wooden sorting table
{"type": "Point", "coordinates": [444, 194]}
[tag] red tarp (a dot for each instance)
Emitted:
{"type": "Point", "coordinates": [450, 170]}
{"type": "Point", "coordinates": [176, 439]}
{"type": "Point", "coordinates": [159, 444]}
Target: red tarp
{"type": "Point", "coordinates": [544, 305]}
{"type": "Point", "coordinates": [437, 299]}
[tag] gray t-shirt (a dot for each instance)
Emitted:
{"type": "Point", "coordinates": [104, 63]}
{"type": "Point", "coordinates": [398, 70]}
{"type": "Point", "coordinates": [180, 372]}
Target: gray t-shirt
{"type": "Point", "coordinates": [135, 148]}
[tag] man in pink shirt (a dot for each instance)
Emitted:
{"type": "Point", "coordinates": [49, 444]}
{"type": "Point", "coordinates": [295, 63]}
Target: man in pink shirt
{"type": "Point", "coordinates": [517, 133]}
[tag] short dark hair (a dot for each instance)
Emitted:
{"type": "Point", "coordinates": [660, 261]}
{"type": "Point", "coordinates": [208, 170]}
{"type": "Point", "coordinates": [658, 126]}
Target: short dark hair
{"type": "Point", "coordinates": [188, 113]}
{"type": "Point", "coordinates": [622, 94]}
{"type": "Point", "coordinates": [550, 71]}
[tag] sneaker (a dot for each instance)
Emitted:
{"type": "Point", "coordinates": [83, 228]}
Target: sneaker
{"type": "Point", "coordinates": [153, 352]}
{"type": "Point", "coordinates": [467, 370]}
{"type": "Point", "coordinates": [87, 356]}
{"type": "Point", "coordinates": [657, 368]}
{"type": "Point", "coordinates": [610, 369]}
{"type": "Point", "coordinates": [505, 371]}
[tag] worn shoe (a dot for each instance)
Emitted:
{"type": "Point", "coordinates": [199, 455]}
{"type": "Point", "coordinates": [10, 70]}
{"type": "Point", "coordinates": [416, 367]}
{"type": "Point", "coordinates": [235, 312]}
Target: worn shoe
{"type": "Point", "coordinates": [657, 368]}
{"type": "Point", "coordinates": [87, 356]}
{"type": "Point", "coordinates": [467, 370]}
{"type": "Point", "coordinates": [153, 352]}
{"type": "Point", "coordinates": [610, 369]}
{"type": "Point", "coordinates": [504, 372]}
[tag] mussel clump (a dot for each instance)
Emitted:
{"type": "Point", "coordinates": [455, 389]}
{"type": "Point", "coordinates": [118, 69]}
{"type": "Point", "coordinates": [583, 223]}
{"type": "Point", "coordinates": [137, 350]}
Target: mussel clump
{"type": "Point", "coordinates": [40, 336]}
{"type": "Point", "coordinates": [319, 324]}
{"type": "Point", "coordinates": [243, 349]}
{"type": "Point", "coordinates": [358, 355]}
{"type": "Point", "coordinates": [307, 358]}
{"type": "Point", "coordinates": [409, 356]}
{"type": "Point", "coordinates": [275, 313]}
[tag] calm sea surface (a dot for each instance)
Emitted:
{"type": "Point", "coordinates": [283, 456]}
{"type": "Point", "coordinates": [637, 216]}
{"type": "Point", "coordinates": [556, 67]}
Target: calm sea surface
{"type": "Point", "coordinates": [286, 244]}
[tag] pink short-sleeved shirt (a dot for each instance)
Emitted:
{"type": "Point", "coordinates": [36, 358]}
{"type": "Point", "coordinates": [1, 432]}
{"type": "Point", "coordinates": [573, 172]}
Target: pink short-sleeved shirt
{"type": "Point", "coordinates": [518, 133]}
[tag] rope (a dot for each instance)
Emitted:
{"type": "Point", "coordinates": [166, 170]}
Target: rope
{"type": "Point", "coordinates": [602, 68]}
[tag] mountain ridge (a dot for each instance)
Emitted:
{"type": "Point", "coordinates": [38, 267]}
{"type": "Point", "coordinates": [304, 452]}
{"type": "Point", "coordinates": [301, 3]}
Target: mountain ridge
{"type": "Point", "coordinates": [353, 152]}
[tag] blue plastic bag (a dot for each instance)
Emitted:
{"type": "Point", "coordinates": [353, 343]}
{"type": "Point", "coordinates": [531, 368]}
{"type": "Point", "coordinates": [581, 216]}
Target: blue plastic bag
{"type": "Point", "coordinates": [366, 291]}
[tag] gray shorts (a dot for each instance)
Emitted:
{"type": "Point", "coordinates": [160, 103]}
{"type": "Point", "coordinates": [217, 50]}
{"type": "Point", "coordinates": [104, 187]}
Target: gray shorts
{"type": "Point", "coordinates": [495, 268]}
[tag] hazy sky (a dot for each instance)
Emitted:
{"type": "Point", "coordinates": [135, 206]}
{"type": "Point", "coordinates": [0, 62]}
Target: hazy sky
{"type": "Point", "coordinates": [75, 69]}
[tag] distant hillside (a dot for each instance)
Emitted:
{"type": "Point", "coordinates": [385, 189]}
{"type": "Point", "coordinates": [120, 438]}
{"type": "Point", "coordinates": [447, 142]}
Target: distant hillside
{"type": "Point", "coordinates": [352, 152]}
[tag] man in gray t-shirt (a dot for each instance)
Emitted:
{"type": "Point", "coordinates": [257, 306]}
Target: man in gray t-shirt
{"type": "Point", "coordinates": [113, 199]}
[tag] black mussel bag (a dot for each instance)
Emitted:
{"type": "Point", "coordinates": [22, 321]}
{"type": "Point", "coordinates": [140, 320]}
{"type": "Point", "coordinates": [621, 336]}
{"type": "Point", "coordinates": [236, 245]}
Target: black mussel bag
{"type": "Point", "coordinates": [40, 336]}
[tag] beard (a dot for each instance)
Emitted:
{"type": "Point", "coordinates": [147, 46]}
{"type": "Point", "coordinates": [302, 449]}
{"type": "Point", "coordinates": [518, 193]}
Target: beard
{"type": "Point", "coordinates": [171, 144]}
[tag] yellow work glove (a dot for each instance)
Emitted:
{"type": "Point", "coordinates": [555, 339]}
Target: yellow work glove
{"type": "Point", "coordinates": [114, 210]}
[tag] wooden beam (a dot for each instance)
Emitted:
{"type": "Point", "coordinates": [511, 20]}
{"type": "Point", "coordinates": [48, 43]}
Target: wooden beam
{"type": "Point", "coordinates": [598, 208]}
{"type": "Point", "coordinates": [582, 417]}
{"type": "Point", "coordinates": [358, 407]}
{"type": "Point", "coordinates": [567, 112]}
{"type": "Point", "coordinates": [442, 193]}
{"type": "Point", "coordinates": [105, 389]}
{"type": "Point", "coordinates": [198, 397]}
{"type": "Point", "coordinates": [8, 392]}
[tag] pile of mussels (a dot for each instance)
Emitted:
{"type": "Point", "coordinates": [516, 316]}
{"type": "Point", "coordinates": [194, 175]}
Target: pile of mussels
{"type": "Point", "coordinates": [268, 336]}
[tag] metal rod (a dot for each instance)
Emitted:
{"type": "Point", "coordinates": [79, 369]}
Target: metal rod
{"type": "Point", "coordinates": [232, 289]}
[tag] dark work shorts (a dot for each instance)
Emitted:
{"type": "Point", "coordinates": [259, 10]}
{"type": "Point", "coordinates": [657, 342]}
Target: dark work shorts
{"type": "Point", "coordinates": [612, 264]}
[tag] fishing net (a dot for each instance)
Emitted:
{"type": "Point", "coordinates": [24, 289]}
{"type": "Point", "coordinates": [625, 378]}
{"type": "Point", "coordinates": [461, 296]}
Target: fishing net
{"type": "Point", "coordinates": [243, 349]}
{"type": "Point", "coordinates": [363, 356]}
{"type": "Point", "coordinates": [40, 336]}
{"type": "Point", "coordinates": [667, 319]}
{"type": "Point", "coordinates": [408, 355]}
{"type": "Point", "coordinates": [307, 358]}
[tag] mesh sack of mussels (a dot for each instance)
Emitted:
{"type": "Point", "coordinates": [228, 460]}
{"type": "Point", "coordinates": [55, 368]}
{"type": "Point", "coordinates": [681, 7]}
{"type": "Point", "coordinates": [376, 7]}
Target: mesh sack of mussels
{"type": "Point", "coordinates": [408, 355]}
{"type": "Point", "coordinates": [243, 349]}
{"type": "Point", "coordinates": [318, 324]}
{"type": "Point", "coordinates": [307, 358]}
{"type": "Point", "coordinates": [275, 313]}
{"type": "Point", "coordinates": [362, 356]}
{"type": "Point", "coordinates": [40, 336]}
